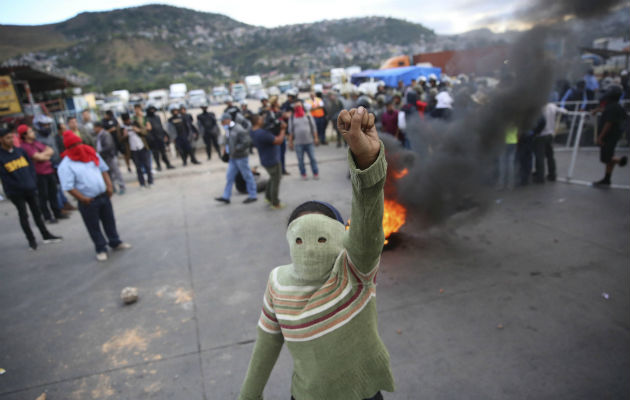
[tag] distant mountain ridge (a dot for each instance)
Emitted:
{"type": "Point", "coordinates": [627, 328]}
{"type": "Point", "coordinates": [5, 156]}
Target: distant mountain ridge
{"type": "Point", "coordinates": [150, 46]}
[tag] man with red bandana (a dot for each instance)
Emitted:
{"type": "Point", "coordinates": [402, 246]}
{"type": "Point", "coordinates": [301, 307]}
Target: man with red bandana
{"type": "Point", "coordinates": [83, 174]}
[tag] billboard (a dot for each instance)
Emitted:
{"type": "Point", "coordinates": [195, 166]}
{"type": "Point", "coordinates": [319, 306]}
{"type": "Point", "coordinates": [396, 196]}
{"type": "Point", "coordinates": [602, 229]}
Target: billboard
{"type": "Point", "coordinates": [9, 103]}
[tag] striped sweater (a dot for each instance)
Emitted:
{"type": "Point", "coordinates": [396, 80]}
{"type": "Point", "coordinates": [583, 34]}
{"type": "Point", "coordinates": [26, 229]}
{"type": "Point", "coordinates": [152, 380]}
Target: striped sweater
{"type": "Point", "coordinates": [330, 327]}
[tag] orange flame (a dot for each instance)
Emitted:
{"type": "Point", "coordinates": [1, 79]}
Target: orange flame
{"type": "Point", "coordinates": [400, 174]}
{"type": "Point", "coordinates": [393, 218]}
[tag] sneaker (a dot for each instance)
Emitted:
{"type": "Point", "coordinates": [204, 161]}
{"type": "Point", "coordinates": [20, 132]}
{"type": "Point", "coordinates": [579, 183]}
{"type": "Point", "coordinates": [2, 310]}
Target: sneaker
{"type": "Point", "coordinates": [32, 244]}
{"type": "Point", "coordinates": [122, 246]}
{"type": "Point", "coordinates": [278, 206]}
{"type": "Point", "coordinates": [51, 221]}
{"type": "Point", "coordinates": [551, 178]}
{"type": "Point", "coordinates": [285, 173]}
{"type": "Point", "coordinates": [52, 239]}
{"type": "Point", "coordinates": [223, 200]}
{"type": "Point", "coordinates": [62, 216]}
{"type": "Point", "coordinates": [623, 161]}
{"type": "Point", "coordinates": [121, 191]}
{"type": "Point", "coordinates": [316, 177]}
{"type": "Point", "coordinates": [250, 200]}
{"type": "Point", "coordinates": [170, 167]}
{"type": "Point", "coordinates": [101, 257]}
{"type": "Point", "coordinates": [196, 162]}
{"type": "Point", "coordinates": [304, 178]}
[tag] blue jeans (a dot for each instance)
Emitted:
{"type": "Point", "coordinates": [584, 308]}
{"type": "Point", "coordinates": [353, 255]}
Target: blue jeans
{"type": "Point", "coordinates": [234, 166]}
{"type": "Point", "coordinates": [506, 166]}
{"type": "Point", "coordinates": [100, 211]}
{"type": "Point", "coordinates": [309, 149]}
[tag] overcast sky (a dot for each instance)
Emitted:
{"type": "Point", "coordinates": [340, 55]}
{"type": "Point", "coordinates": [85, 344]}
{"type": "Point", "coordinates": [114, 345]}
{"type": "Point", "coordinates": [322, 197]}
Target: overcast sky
{"type": "Point", "coordinates": [443, 16]}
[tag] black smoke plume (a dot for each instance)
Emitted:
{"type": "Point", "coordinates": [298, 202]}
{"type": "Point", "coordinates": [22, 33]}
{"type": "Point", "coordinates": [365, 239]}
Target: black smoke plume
{"type": "Point", "coordinates": [452, 165]}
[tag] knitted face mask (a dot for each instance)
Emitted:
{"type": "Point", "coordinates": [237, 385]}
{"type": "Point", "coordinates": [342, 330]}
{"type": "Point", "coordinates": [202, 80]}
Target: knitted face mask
{"type": "Point", "coordinates": [315, 241]}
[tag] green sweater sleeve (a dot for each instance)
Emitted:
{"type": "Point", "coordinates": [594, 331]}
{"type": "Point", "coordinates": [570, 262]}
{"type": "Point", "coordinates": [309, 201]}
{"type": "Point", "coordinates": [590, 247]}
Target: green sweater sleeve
{"type": "Point", "coordinates": [264, 357]}
{"type": "Point", "coordinates": [364, 240]}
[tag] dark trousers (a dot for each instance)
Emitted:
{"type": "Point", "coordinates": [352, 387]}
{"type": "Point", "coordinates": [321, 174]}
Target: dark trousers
{"type": "Point", "coordinates": [159, 150]}
{"type": "Point", "coordinates": [321, 123]}
{"type": "Point", "coordinates": [99, 211]}
{"type": "Point", "coordinates": [524, 156]}
{"type": "Point", "coordinates": [211, 140]}
{"type": "Point", "coordinates": [273, 186]}
{"type": "Point", "coordinates": [377, 396]}
{"type": "Point", "coordinates": [543, 149]}
{"type": "Point", "coordinates": [142, 160]}
{"type": "Point", "coordinates": [283, 150]}
{"type": "Point", "coordinates": [185, 150]}
{"type": "Point", "coordinates": [47, 190]}
{"type": "Point", "coordinates": [20, 201]}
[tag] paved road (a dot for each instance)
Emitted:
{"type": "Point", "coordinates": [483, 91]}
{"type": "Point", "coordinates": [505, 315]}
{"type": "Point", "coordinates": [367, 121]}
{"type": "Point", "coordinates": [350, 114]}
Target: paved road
{"type": "Point", "coordinates": [504, 306]}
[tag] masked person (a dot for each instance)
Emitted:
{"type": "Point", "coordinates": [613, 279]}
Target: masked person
{"type": "Point", "coordinates": [322, 304]}
{"type": "Point", "coordinates": [209, 129]}
{"type": "Point", "coordinates": [83, 174]}
{"type": "Point", "coordinates": [179, 128]}
{"type": "Point", "coordinates": [19, 182]}
{"type": "Point", "coordinates": [158, 139]}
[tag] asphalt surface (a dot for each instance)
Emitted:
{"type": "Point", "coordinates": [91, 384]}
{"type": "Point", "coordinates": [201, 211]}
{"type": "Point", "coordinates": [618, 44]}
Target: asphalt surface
{"type": "Point", "coordinates": [529, 300]}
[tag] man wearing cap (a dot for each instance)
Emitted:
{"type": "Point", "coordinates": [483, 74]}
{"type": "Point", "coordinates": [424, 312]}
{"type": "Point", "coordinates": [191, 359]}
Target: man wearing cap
{"type": "Point", "coordinates": [19, 182]}
{"type": "Point", "coordinates": [158, 138]}
{"type": "Point", "coordinates": [83, 174]}
{"type": "Point", "coordinates": [46, 182]}
{"type": "Point", "coordinates": [209, 129]}
{"type": "Point", "coordinates": [178, 127]}
{"type": "Point", "coordinates": [237, 145]}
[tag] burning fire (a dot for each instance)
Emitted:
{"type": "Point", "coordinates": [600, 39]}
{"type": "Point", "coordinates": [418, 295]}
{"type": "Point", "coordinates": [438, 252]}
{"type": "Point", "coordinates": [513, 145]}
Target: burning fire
{"type": "Point", "coordinates": [400, 174]}
{"type": "Point", "coordinates": [393, 218]}
{"type": "Point", "coordinates": [394, 214]}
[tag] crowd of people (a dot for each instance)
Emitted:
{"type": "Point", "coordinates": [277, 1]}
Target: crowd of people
{"type": "Point", "coordinates": [39, 167]}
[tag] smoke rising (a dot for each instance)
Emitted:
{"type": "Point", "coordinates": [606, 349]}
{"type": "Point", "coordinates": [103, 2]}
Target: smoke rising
{"type": "Point", "coordinates": [544, 11]}
{"type": "Point", "coordinates": [452, 165]}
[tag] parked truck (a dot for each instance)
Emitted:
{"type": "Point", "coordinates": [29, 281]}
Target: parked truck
{"type": "Point", "coordinates": [254, 86]}
{"type": "Point", "coordinates": [177, 91]}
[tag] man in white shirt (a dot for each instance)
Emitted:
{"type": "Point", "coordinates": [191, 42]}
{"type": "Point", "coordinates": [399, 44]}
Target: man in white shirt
{"type": "Point", "coordinates": [543, 144]}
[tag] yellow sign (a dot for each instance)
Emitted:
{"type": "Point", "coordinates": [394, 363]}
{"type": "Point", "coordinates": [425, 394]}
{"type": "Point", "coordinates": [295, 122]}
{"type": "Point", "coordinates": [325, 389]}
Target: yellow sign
{"type": "Point", "coordinates": [9, 103]}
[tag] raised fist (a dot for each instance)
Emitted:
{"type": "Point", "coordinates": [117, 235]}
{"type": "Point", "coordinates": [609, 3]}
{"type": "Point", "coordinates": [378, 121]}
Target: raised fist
{"type": "Point", "coordinates": [358, 130]}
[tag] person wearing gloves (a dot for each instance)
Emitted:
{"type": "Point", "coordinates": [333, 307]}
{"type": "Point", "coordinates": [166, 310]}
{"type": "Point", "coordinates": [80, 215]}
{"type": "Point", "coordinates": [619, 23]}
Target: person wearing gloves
{"type": "Point", "coordinates": [323, 303]}
{"type": "Point", "coordinates": [237, 145]}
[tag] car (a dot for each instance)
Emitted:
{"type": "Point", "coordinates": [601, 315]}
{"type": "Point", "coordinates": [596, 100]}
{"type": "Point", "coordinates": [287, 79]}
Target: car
{"type": "Point", "coordinates": [284, 86]}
